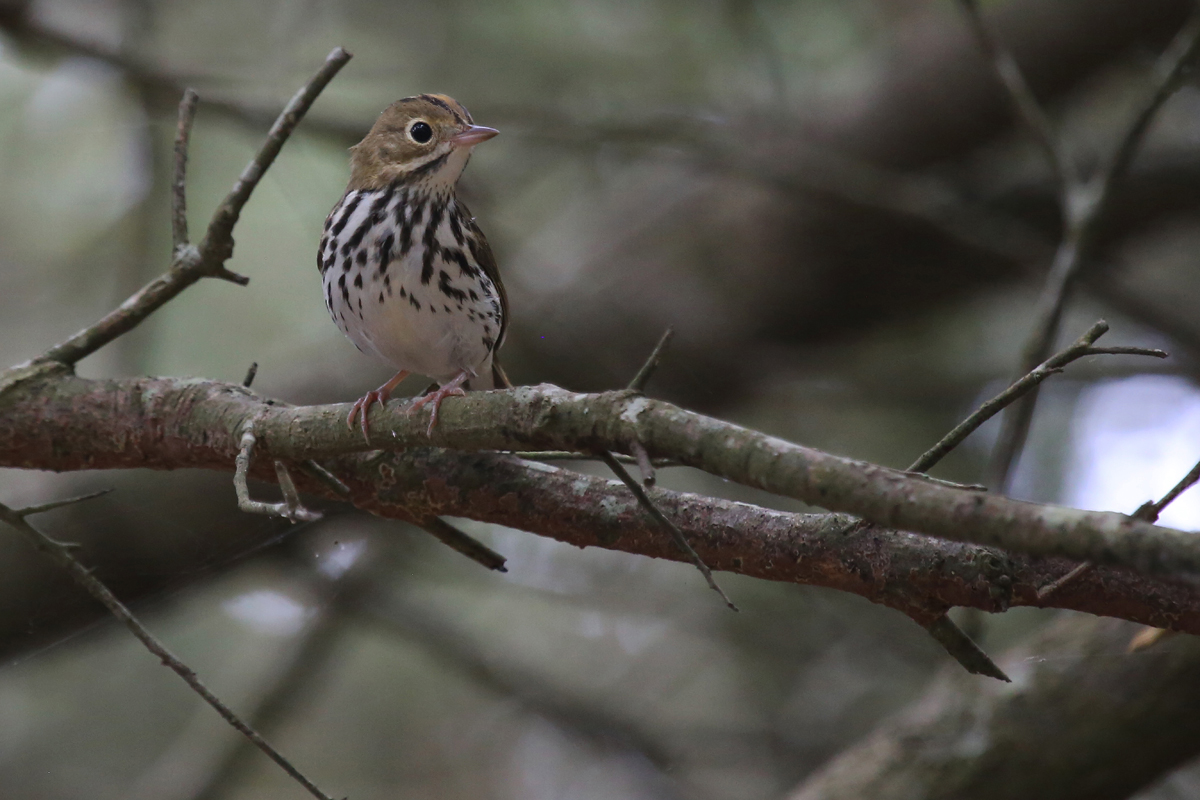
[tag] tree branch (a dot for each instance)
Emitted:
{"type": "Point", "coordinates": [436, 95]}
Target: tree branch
{"type": "Point", "coordinates": [1083, 207]}
{"type": "Point", "coordinates": [60, 554]}
{"type": "Point", "coordinates": [208, 259]}
{"type": "Point", "coordinates": [63, 422]}
{"type": "Point", "coordinates": [1083, 722]}
{"type": "Point", "coordinates": [1082, 347]}
{"type": "Point", "coordinates": [1023, 100]}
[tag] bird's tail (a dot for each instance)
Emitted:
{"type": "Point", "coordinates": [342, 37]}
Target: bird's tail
{"type": "Point", "coordinates": [491, 376]}
{"type": "Point", "coordinates": [499, 379]}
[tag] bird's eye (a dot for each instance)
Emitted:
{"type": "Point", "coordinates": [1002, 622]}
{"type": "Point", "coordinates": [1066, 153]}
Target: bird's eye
{"type": "Point", "coordinates": [420, 132]}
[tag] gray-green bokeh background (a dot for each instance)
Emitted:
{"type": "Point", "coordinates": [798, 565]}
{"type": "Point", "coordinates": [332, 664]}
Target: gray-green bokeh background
{"type": "Point", "coordinates": [760, 174]}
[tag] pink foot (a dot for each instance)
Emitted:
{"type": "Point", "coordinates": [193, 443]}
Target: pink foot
{"type": "Point", "coordinates": [363, 404]}
{"type": "Point", "coordinates": [451, 389]}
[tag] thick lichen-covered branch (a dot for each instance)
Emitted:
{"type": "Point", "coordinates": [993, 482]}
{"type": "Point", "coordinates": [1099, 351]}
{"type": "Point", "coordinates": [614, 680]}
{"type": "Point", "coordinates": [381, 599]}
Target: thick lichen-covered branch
{"type": "Point", "coordinates": [54, 420]}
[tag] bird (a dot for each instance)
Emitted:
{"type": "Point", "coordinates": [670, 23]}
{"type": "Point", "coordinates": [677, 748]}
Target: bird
{"type": "Point", "coordinates": [407, 274]}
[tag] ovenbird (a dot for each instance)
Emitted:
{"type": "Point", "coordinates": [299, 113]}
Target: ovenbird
{"type": "Point", "coordinates": [408, 276]}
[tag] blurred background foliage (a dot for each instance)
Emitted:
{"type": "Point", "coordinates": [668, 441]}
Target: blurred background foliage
{"type": "Point", "coordinates": [829, 202]}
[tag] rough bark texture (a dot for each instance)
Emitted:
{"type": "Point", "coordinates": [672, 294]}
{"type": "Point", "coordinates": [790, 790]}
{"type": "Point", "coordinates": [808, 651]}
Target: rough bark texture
{"type": "Point", "coordinates": [55, 420]}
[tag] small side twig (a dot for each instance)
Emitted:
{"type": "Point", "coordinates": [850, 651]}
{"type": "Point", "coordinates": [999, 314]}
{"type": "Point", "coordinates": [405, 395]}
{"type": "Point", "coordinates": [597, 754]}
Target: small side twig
{"type": "Point", "coordinates": [1083, 206]}
{"type": "Point", "coordinates": [83, 576]}
{"type": "Point", "coordinates": [1022, 97]}
{"type": "Point", "coordinates": [251, 374]}
{"type": "Point", "coordinates": [326, 477]}
{"type": "Point", "coordinates": [574, 455]}
{"type": "Point", "coordinates": [661, 518]}
{"type": "Point", "coordinates": [1146, 512]}
{"type": "Point", "coordinates": [464, 543]}
{"type": "Point", "coordinates": [645, 466]}
{"type": "Point", "coordinates": [29, 511]}
{"type": "Point", "coordinates": [964, 649]}
{"type": "Point", "coordinates": [1149, 512]}
{"type": "Point", "coordinates": [194, 262]}
{"type": "Point", "coordinates": [291, 507]}
{"type": "Point", "coordinates": [183, 134]}
{"type": "Point", "coordinates": [1079, 349]}
{"type": "Point", "coordinates": [638, 384]}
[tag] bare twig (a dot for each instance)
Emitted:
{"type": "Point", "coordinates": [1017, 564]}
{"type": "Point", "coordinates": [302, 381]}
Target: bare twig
{"type": "Point", "coordinates": [571, 455]}
{"type": "Point", "coordinates": [209, 257]}
{"type": "Point", "coordinates": [464, 543]}
{"type": "Point", "coordinates": [326, 477]}
{"type": "Point", "coordinates": [183, 133]}
{"type": "Point", "coordinates": [642, 458]}
{"type": "Point", "coordinates": [1172, 69]}
{"type": "Point", "coordinates": [963, 649]}
{"type": "Point", "coordinates": [291, 507]}
{"type": "Point", "coordinates": [643, 376]}
{"type": "Point", "coordinates": [62, 556]}
{"type": "Point", "coordinates": [70, 501]}
{"type": "Point", "coordinates": [1151, 511]}
{"type": "Point", "coordinates": [1078, 571]}
{"type": "Point", "coordinates": [1023, 100]}
{"type": "Point", "coordinates": [645, 465]}
{"type": "Point", "coordinates": [662, 520]}
{"type": "Point", "coordinates": [1079, 349]}
{"type": "Point", "coordinates": [1083, 207]}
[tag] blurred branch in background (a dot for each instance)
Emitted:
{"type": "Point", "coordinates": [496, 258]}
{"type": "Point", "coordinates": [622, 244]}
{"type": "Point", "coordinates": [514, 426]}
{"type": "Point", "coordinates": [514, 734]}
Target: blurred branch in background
{"type": "Point", "coordinates": [1082, 204]}
{"type": "Point", "coordinates": [60, 553]}
{"type": "Point", "coordinates": [1082, 720]}
{"type": "Point", "coordinates": [591, 511]}
{"type": "Point", "coordinates": [764, 218]}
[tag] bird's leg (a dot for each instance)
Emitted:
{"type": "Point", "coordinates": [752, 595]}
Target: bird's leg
{"type": "Point", "coordinates": [451, 389]}
{"type": "Point", "coordinates": [364, 403]}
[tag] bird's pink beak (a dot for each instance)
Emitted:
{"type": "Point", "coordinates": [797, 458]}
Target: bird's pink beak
{"type": "Point", "coordinates": [473, 136]}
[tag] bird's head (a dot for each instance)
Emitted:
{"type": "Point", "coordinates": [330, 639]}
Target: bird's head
{"type": "Point", "coordinates": [422, 140]}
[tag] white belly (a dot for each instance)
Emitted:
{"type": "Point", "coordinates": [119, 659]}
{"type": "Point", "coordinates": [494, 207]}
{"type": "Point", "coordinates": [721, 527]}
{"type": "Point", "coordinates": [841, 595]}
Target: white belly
{"type": "Point", "coordinates": [436, 328]}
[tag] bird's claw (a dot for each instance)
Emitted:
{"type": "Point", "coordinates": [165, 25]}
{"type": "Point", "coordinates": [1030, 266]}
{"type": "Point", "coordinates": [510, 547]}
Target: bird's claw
{"type": "Point", "coordinates": [363, 406]}
{"type": "Point", "coordinates": [436, 397]}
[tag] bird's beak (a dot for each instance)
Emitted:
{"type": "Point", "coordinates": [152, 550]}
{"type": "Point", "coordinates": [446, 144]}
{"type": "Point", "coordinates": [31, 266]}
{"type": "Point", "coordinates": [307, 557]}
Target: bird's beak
{"type": "Point", "coordinates": [473, 136]}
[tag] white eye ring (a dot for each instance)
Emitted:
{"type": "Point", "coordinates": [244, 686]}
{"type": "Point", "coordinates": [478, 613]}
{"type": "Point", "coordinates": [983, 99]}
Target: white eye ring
{"type": "Point", "coordinates": [420, 131]}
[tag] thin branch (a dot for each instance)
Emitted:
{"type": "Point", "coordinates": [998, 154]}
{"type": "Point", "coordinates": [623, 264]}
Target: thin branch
{"type": "Point", "coordinates": [310, 656]}
{"type": "Point", "coordinates": [326, 477]}
{"type": "Point", "coordinates": [1077, 572]}
{"type": "Point", "coordinates": [645, 465]}
{"type": "Point", "coordinates": [83, 576]}
{"type": "Point", "coordinates": [70, 501]}
{"type": "Point", "coordinates": [662, 520]}
{"type": "Point", "coordinates": [464, 543]}
{"type": "Point", "coordinates": [963, 649]}
{"type": "Point", "coordinates": [1151, 511]}
{"type": "Point", "coordinates": [290, 508]}
{"type": "Point", "coordinates": [219, 235]}
{"type": "Point", "coordinates": [1084, 208]}
{"type": "Point", "coordinates": [183, 134]}
{"type": "Point", "coordinates": [571, 455]}
{"type": "Point", "coordinates": [1081, 348]}
{"type": "Point", "coordinates": [643, 376]}
{"type": "Point", "coordinates": [1172, 69]}
{"type": "Point", "coordinates": [208, 259]}
{"type": "Point", "coordinates": [1022, 97]}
